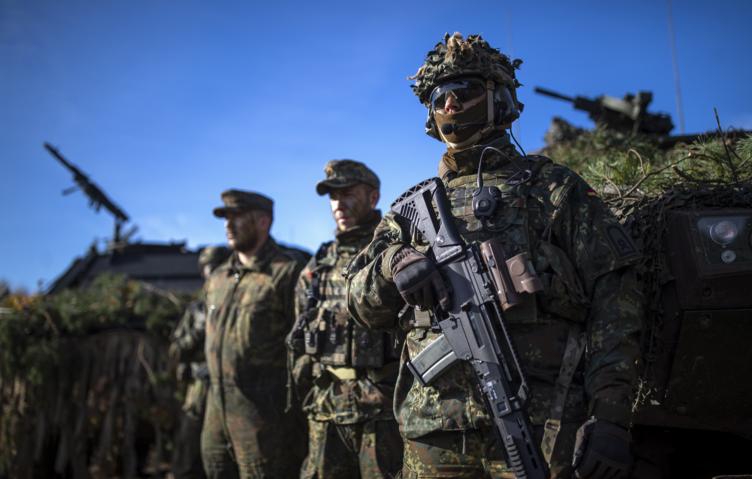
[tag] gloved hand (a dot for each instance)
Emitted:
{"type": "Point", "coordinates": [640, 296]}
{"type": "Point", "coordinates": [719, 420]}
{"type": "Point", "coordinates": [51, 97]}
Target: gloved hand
{"type": "Point", "coordinates": [418, 280]}
{"type": "Point", "coordinates": [601, 451]}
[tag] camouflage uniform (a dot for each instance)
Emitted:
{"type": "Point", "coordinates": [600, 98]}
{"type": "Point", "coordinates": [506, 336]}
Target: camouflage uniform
{"type": "Point", "coordinates": [187, 347]}
{"type": "Point", "coordinates": [344, 374]}
{"type": "Point", "coordinates": [591, 298]}
{"type": "Point", "coordinates": [249, 311]}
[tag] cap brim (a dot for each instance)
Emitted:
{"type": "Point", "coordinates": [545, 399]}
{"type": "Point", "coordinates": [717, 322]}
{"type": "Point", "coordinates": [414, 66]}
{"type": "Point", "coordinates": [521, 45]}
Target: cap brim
{"type": "Point", "coordinates": [325, 186]}
{"type": "Point", "coordinates": [221, 212]}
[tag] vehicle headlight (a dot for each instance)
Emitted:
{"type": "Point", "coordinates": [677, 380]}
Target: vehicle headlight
{"type": "Point", "coordinates": [724, 232]}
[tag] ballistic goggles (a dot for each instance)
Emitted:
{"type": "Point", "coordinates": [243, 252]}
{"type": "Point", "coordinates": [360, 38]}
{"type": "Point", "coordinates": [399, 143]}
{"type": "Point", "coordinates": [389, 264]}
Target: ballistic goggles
{"type": "Point", "coordinates": [463, 91]}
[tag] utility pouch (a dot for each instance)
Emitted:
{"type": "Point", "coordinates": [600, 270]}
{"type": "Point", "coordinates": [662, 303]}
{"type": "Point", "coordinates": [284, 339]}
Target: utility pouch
{"type": "Point", "coordinates": [296, 340]}
{"type": "Point", "coordinates": [511, 276]}
{"type": "Point", "coordinates": [368, 348]}
{"type": "Point", "coordinates": [312, 341]}
{"type": "Point", "coordinates": [334, 337]}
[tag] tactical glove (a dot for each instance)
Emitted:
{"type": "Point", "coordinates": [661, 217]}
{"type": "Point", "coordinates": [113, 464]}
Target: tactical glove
{"type": "Point", "coordinates": [601, 451]}
{"type": "Point", "coordinates": [418, 280]}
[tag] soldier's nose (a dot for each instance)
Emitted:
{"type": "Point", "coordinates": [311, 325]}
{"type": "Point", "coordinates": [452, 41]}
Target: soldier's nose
{"type": "Point", "coordinates": [451, 104]}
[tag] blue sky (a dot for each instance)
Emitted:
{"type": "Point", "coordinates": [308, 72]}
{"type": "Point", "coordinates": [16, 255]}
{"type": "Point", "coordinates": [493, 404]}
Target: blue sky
{"type": "Point", "coordinates": [167, 103]}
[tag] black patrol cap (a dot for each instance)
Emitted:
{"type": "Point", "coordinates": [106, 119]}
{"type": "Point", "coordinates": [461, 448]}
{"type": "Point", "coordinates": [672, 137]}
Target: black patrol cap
{"type": "Point", "coordinates": [239, 200]}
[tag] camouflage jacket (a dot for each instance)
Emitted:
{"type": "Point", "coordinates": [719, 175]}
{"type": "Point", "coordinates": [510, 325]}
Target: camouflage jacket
{"type": "Point", "coordinates": [249, 311]}
{"type": "Point", "coordinates": [332, 343]}
{"type": "Point", "coordinates": [584, 259]}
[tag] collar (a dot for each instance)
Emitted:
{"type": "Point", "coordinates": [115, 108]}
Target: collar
{"type": "Point", "coordinates": [465, 162]}
{"type": "Point", "coordinates": [258, 262]}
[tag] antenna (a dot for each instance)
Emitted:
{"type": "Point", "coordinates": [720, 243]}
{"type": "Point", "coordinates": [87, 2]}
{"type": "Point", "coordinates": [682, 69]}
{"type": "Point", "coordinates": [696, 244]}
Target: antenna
{"type": "Point", "coordinates": [675, 65]}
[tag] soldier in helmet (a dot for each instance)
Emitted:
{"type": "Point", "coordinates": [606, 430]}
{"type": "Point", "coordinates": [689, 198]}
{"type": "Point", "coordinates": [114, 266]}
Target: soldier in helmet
{"type": "Point", "coordinates": [344, 374]}
{"type": "Point", "coordinates": [576, 336]}
{"type": "Point", "coordinates": [187, 349]}
{"type": "Point", "coordinates": [249, 311]}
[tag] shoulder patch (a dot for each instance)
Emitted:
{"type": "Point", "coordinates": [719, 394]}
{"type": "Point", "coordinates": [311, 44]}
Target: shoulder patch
{"type": "Point", "coordinates": [620, 241]}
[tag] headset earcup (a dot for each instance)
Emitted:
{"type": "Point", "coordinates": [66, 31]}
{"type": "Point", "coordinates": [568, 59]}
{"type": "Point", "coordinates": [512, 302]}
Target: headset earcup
{"type": "Point", "coordinates": [431, 129]}
{"type": "Point", "coordinates": [505, 108]}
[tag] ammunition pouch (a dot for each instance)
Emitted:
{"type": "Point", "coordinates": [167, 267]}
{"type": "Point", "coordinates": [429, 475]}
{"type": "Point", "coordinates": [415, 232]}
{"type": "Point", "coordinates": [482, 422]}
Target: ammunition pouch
{"type": "Point", "coordinates": [368, 348]}
{"type": "Point", "coordinates": [296, 340]}
{"type": "Point", "coordinates": [330, 333]}
{"type": "Point", "coordinates": [335, 340]}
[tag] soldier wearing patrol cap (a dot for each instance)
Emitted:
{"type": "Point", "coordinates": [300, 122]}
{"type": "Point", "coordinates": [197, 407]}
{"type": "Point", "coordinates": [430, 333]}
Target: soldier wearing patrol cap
{"type": "Point", "coordinates": [344, 374]}
{"type": "Point", "coordinates": [576, 331]}
{"type": "Point", "coordinates": [249, 310]}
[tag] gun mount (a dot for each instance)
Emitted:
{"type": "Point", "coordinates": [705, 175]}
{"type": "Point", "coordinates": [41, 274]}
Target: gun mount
{"type": "Point", "coordinates": [97, 197]}
{"type": "Point", "coordinates": [629, 114]}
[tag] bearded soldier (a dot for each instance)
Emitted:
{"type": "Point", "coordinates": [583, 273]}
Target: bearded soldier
{"type": "Point", "coordinates": [187, 348]}
{"type": "Point", "coordinates": [344, 373]}
{"type": "Point", "coordinates": [576, 329]}
{"type": "Point", "coordinates": [249, 311]}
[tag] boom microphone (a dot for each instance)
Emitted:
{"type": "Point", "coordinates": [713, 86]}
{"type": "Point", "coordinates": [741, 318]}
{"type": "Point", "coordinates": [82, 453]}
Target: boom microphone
{"type": "Point", "coordinates": [449, 128]}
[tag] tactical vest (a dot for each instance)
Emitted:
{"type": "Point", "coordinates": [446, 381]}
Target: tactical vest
{"type": "Point", "coordinates": [522, 222]}
{"type": "Point", "coordinates": [330, 334]}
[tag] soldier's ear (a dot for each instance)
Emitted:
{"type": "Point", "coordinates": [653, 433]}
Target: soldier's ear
{"type": "Point", "coordinates": [264, 220]}
{"type": "Point", "coordinates": [373, 197]}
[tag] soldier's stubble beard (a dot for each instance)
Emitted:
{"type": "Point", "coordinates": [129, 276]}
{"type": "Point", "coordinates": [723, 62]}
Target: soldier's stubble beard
{"type": "Point", "coordinates": [244, 233]}
{"type": "Point", "coordinates": [355, 203]}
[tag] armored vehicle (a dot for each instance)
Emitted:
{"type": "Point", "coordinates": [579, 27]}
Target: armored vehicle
{"type": "Point", "coordinates": [688, 203]}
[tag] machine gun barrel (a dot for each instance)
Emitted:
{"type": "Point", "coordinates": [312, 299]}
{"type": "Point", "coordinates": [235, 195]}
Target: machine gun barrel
{"type": "Point", "coordinates": [628, 114]}
{"type": "Point", "coordinates": [97, 197]}
{"type": "Point", "coordinates": [553, 94]}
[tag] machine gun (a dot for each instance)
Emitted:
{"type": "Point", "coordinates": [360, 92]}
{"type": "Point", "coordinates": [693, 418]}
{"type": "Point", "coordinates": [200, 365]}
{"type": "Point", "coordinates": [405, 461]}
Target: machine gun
{"type": "Point", "coordinates": [472, 326]}
{"type": "Point", "coordinates": [629, 115]}
{"type": "Point", "coordinates": [97, 197]}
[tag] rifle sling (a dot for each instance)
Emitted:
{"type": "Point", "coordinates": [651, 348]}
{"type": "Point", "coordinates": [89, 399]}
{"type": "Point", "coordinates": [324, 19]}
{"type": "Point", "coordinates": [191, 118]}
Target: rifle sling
{"type": "Point", "coordinates": [572, 355]}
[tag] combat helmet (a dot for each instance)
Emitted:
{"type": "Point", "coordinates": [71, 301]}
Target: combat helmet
{"type": "Point", "coordinates": [456, 57]}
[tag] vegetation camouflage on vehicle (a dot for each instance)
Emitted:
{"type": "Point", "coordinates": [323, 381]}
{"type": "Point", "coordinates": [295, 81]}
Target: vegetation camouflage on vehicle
{"type": "Point", "coordinates": [84, 383]}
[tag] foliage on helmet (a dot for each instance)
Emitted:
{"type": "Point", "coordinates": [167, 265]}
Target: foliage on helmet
{"type": "Point", "coordinates": [456, 57]}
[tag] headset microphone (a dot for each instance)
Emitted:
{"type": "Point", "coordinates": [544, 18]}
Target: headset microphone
{"type": "Point", "coordinates": [449, 128]}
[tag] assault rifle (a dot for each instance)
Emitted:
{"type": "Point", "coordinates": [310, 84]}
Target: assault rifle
{"type": "Point", "coordinates": [472, 327]}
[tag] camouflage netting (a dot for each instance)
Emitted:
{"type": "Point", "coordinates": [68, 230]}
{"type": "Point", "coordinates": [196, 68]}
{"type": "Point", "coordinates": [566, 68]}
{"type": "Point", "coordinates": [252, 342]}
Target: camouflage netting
{"type": "Point", "coordinates": [642, 182]}
{"type": "Point", "coordinates": [84, 383]}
